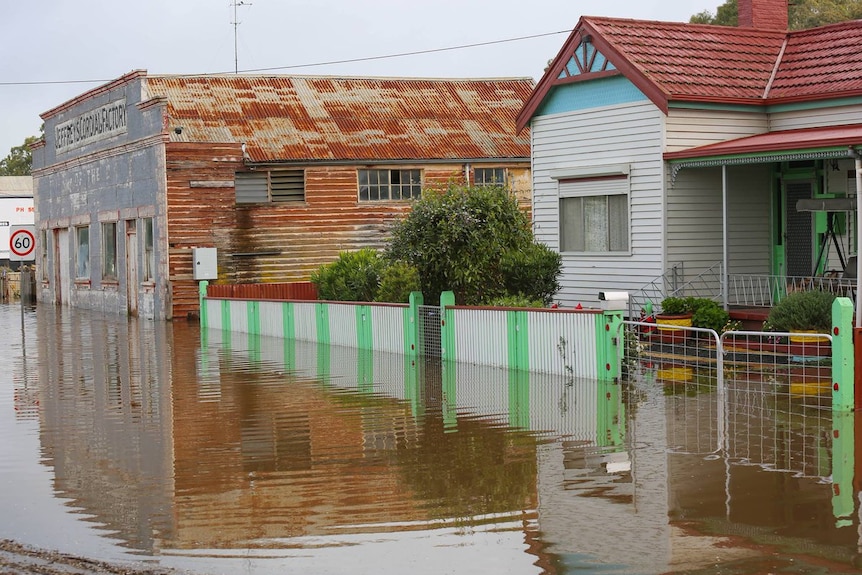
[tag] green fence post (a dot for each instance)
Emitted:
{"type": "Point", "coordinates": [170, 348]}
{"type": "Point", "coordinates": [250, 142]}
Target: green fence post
{"type": "Point", "coordinates": [517, 337]}
{"type": "Point", "coordinates": [225, 315]}
{"type": "Point", "coordinates": [322, 323]}
{"type": "Point", "coordinates": [609, 344]}
{"type": "Point", "coordinates": [253, 316]}
{"type": "Point", "coordinates": [412, 326]}
{"type": "Point", "coordinates": [843, 464]}
{"type": "Point", "coordinates": [447, 326]}
{"type": "Point", "coordinates": [842, 355]}
{"type": "Point", "coordinates": [364, 330]}
{"type": "Point", "coordinates": [202, 296]}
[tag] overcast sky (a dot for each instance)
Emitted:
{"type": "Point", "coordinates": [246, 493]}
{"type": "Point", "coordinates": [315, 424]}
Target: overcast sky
{"type": "Point", "coordinates": [71, 41]}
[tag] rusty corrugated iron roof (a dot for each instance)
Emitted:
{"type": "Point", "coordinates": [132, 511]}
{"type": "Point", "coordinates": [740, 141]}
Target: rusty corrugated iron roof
{"type": "Point", "coordinates": [319, 118]}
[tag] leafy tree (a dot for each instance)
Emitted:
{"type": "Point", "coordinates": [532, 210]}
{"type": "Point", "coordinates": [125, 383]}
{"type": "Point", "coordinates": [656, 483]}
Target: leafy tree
{"type": "Point", "coordinates": [802, 14]}
{"type": "Point", "coordinates": [725, 15]}
{"type": "Point", "coordinates": [477, 242]}
{"type": "Point", "coordinates": [19, 160]}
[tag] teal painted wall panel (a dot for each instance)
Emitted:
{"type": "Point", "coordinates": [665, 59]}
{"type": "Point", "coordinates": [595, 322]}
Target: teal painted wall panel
{"type": "Point", "coordinates": [590, 94]}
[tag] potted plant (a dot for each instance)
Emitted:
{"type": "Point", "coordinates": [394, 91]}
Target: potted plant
{"type": "Point", "coordinates": [676, 313]}
{"type": "Point", "coordinates": [803, 312]}
{"type": "Point", "coordinates": [709, 314]}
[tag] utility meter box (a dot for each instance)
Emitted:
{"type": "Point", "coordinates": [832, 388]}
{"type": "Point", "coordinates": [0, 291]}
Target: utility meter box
{"type": "Point", "coordinates": [206, 263]}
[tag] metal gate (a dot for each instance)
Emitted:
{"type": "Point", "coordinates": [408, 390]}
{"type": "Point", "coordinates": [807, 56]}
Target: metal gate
{"type": "Point", "coordinates": [755, 398]}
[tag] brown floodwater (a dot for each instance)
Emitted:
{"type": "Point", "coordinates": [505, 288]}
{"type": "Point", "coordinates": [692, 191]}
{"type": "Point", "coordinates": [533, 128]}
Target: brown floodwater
{"type": "Point", "coordinates": [227, 453]}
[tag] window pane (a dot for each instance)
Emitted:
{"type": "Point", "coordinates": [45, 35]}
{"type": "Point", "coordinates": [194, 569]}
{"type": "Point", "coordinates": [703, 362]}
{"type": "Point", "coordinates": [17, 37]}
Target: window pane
{"type": "Point", "coordinates": [571, 225]}
{"type": "Point", "coordinates": [618, 209]}
{"type": "Point", "coordinates": [149, 254]}
{"type": "Point", "coordinates": [596, 223]}
{"type": "Point", "coordinates": [82, 252]}
{"type": "Point", "coordinates": [109, 250]}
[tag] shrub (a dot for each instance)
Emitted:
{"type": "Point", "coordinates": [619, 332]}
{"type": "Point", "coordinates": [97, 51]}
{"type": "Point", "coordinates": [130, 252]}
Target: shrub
{"type": "Point", "coordinates": [354, 276]}
{"type": "Point", "coordinates": [471, 240]}
{"type": "Point", "coordinates": [804, 310]}
{"type": "Point", "coordinates": [675, 305]}
{"type": "Point", "coordinates": [396, 282]}
{"type": "Point", "coordinates": [515, 301]}
{"type": "Point", "coordinates": [532, 272]}
{"type": "Point", "coordinates": [708, 314]}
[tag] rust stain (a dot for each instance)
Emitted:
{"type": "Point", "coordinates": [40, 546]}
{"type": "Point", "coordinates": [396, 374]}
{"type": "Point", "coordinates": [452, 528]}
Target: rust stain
{"type": "Point", "coordinates": [297, 118]}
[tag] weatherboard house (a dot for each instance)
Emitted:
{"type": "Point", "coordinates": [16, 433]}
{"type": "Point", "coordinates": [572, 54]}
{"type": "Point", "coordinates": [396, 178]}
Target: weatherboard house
{"type": "Point", "coordinates": [665, 152]}
{"type": "Point", "coordinates": [277, 173]}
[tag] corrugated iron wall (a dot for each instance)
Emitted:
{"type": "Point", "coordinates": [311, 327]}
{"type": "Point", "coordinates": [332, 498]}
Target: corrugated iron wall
{"type": "Point", "coordinates": [273, 242]}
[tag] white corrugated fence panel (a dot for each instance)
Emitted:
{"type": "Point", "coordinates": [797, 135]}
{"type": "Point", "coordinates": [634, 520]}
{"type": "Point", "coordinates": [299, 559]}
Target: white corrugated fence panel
{"type": "Point", "coordinates": [388, 330]}
{"type": "Point", "coordinates": [481, 337]}
{"type": "Point", "coordinates": [563, 343]}
{"type": "Point", "coordinates": [342, 324]}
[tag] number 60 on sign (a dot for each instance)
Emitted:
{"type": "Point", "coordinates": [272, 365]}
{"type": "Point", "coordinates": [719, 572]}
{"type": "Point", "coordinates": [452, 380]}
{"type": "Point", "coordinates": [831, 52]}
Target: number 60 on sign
{"type": "Point", "coordinates": [22, 243]}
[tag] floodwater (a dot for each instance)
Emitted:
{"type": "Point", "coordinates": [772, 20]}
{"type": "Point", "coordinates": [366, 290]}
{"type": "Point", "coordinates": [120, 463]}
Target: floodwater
{"type": "Point", "coordinates": [127, 440]}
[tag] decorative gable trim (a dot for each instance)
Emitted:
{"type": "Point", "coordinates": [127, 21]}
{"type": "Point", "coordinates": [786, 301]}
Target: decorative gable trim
{"type": "Point", "coordinates": [586, 62]}
{"type": "Point", "coordinates": [582, 36]}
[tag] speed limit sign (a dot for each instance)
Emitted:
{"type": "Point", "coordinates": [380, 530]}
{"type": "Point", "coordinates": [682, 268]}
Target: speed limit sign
{"type": "Point", "coordinates": [22, 243]}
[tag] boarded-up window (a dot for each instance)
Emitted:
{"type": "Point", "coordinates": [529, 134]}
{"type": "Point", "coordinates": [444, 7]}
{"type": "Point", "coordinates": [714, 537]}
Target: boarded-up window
{"type": "Point", "coordinates": [251, 187]}
{"type": "Point", "coordinates": [594, 214]}
{"type": "Point", "coordinates": [278, 186]}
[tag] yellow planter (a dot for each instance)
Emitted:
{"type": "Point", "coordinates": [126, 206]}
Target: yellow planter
{"type": "Point", "coordinates": [672, 320]}
{"type": "Point", "coordinates": [806, 338]}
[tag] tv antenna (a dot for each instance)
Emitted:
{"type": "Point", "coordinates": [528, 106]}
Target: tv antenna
{"type": "Point", "coordinates": [236, 4]}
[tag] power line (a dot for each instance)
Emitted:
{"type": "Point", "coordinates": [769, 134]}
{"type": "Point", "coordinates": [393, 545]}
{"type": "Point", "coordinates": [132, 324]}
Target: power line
{"type": "Point", "coordinates": [402, 54]}
{"type": "Point", "coordinates": [310, 65]}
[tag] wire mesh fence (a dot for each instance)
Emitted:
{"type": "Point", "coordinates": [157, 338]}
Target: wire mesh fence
{"type": "Point", "coordinates": [429, 330]}
{"type": "Point", "coordinates": [757, 398]}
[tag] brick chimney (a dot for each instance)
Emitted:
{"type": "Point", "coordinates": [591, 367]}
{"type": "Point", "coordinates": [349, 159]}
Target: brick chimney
{"type": "Point", "coordinates": [763, 14]}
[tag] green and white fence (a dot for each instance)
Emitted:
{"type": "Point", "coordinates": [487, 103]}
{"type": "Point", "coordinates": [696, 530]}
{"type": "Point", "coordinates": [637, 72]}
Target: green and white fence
{"type": "Point", "coordinates": [573, 343]}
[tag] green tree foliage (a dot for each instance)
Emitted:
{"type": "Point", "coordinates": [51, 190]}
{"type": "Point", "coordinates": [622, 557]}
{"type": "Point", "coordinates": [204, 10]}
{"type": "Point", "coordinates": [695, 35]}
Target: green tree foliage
{"type": "Point", "coordinates": [365, 275]}
{"type": "Point", "coordinates": [19, 160]}
{"type": "Point", "coordinates": [354, 276]}
{"type": "Point", "coordinates": [725, 15]}
{"type": "Point", "coordinates": [802, 14]}
{"type": "Point", "coordinates": [476, 242]}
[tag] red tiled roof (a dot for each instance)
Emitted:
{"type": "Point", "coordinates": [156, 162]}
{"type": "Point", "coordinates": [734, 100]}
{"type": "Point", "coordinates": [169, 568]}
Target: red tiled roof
{"type": "Point", "coordinates": [316, 118]}
{"type": "Point", "coordinates": [802, 139]}
{"type": "Point", "coordinates": [675, 61]}
{"type": "Point", "coordinates": [821, 62]}
{"type": "Point", "coordinates": [692, 60]}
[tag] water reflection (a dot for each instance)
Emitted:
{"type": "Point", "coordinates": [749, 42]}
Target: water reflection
{"type": "Point", "coordinates": [221, 452]}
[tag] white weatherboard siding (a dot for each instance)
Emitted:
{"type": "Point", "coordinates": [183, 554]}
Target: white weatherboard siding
{"type": "Point", "coordinates": [749, 192]}
{"type": "Point", "coordinates": [692, 128]}
{"type": "Point", "coordinates": [624, 134]}
{"type": "Point", "coordinates": [694, 220]}
{"type": "Point", "coordinates": [815, 118]}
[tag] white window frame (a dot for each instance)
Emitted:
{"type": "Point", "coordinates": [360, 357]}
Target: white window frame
{"type": "Point", "coordinates": [109, 258]}
{"type": "Point", "coordinates": [82, 256]}
{"type": "Point", "coordinates": [480, 177]}
{"type": "Point", "coordinates": [148, 239]}
{"type": "Point", "coordinates": [596, 183]}
{"type": "Point", "coordinates": [376, 184]}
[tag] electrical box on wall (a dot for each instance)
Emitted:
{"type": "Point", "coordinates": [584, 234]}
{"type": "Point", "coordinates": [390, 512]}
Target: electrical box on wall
{"type": "Point", "coordinates": [206, 264]}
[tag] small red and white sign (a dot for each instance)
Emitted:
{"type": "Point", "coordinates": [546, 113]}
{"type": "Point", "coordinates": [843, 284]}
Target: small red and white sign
{"type": "Point", "coordinates": [22, 243]}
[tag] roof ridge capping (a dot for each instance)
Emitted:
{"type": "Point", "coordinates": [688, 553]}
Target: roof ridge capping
{"type": "Point", "coordinates": [346, 77]}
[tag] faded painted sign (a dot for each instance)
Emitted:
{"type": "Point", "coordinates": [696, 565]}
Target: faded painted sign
{"type": "Point", "coordinates": [94, 125]}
